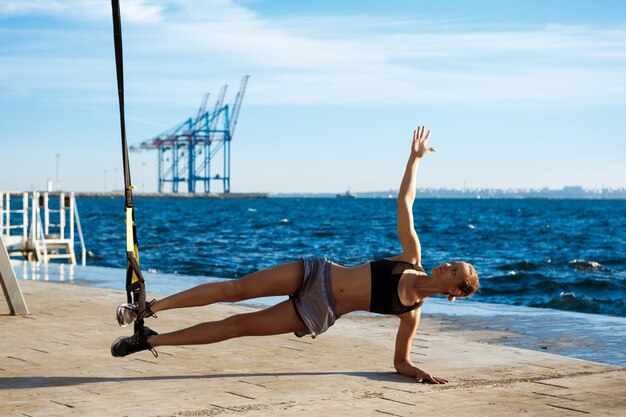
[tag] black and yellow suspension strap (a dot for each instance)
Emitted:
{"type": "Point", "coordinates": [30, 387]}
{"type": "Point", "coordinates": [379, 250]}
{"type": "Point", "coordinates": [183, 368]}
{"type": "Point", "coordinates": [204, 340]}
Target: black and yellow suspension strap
{"type": "Point", "coordinates": [135, 288]}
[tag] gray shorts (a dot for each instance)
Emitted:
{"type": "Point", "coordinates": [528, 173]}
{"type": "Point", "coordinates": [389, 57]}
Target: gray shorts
{"type": "Point", "coordinates": [314, 301]}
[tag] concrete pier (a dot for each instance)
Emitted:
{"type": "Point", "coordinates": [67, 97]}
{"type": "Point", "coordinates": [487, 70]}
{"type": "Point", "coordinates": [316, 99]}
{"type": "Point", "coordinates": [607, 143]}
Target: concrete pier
{"type": "Point", "coordinates": [56, 362]}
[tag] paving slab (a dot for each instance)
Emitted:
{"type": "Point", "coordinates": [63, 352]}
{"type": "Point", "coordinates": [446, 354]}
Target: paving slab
{"type": "Point", "coordinates": [56, 362]}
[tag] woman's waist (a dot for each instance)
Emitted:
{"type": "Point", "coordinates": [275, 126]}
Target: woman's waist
{"type": "Point", "coordinates": [351, 287]}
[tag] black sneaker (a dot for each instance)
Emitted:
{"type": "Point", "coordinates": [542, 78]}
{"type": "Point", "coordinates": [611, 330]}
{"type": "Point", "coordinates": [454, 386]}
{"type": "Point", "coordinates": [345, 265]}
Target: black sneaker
{"type": "Point", "coordinates": [129, 312]}
{"type": "Point", "coordinates": [124, 346]}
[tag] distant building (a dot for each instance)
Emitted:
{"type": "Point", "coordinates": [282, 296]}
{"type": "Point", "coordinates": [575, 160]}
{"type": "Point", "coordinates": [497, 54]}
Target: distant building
{"type": "Point", "coordinates": [569, 192]}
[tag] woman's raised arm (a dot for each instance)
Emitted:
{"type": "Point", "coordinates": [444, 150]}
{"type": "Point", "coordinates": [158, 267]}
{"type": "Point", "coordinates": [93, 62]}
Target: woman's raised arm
{"type": "Point", "coordinates": [411, 249]}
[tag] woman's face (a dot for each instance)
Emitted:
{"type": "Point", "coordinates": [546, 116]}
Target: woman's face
{"type": "Point", "coordinates": [450, 276]}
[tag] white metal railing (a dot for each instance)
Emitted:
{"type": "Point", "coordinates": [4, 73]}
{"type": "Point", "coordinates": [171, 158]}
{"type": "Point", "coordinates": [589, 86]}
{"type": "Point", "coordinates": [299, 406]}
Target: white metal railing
{"type": "Point", "coordinates": [5, 217]}
{"type": "Point", "coordinates": [40, 228]}
{"type": "Point", "coordinates": [83, 249]}
{"type": "Point", "coordinates": [38, 232]}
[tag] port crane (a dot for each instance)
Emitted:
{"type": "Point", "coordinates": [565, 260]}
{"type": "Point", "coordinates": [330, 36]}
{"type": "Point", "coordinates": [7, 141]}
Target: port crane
{"type": "Point", "coordinates": [188, 151]}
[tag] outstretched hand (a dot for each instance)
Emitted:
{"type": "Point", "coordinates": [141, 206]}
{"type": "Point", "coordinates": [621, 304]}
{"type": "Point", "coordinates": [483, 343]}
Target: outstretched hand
{"type": "Point", "coordinates": [419, 148]}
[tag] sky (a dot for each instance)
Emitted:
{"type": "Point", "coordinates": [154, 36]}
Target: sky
{"type": "Point", "coordinates": [525, 94]}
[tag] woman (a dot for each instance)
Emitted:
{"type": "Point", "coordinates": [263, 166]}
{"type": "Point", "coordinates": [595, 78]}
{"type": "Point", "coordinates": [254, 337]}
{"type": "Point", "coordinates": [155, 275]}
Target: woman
{"type": "Point", "coordinates": [321, 291]}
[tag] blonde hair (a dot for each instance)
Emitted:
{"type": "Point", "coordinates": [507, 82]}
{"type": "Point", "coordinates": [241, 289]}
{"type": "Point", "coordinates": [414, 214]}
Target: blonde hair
{"type": "Point", "coordinates": [470, 283]}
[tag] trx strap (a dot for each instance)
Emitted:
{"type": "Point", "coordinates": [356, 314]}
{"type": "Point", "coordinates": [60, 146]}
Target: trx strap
{"type": "Point", "coordinates": [135, 288]}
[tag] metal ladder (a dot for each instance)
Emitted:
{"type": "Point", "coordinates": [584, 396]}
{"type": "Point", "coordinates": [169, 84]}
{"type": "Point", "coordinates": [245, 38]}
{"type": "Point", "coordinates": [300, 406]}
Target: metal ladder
{"type": "Point", "coordinates": [43, 238]}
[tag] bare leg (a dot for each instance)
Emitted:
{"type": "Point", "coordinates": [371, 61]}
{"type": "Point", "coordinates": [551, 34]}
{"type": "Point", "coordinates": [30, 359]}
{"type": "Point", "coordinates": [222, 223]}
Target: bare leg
{"type": "Point", "coordinates": [282, 279]}
{"type": "Point", "coordinates": [281, 318]}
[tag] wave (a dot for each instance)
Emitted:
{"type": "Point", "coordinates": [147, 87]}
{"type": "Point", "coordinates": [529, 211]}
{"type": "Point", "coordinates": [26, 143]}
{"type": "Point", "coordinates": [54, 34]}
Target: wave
{"type": "Point", "coordinates": [522, 266]}
{"type": "Point", "coordinates": [93, 256]}
{"type": "Point", "coordinates": [586, 266]}
{"type": "Point", "coordinates": [582, 304]}
{"type": "Point", "coordinates": [534, 284]}
{"type": "Point", "coordinates": [581, 265]}
{"type": "Point", "coordinates": [588, 284]}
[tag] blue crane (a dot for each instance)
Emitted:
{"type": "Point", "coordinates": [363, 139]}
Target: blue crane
{"type": "Point", "coordinates": [188, 151]}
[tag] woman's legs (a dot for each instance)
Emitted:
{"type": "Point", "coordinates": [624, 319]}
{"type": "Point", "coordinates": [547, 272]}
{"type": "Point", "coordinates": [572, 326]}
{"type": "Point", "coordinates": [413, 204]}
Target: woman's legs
{"type": "Point", "coordinates": [282, 279]}
{"type": "Point", "coordinates": [281, 318]}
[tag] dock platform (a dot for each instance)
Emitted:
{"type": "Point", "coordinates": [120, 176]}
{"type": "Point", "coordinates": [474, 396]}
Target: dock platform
{"type": "Point", "coordinates": [56, 362]}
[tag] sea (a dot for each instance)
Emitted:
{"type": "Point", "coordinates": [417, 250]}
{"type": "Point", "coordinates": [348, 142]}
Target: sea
{"type": "Point", "coordinates": [557, 254]}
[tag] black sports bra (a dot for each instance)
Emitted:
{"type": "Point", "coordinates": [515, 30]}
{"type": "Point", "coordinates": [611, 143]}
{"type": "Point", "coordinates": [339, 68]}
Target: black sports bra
{"type": "Point", "coordinates": [386, 275]}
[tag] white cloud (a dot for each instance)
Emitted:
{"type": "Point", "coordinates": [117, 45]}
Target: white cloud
{"type": "Point", "coordinates": [172, 47]}
{"type": "Point", "coordinates": [133, 10]}
{"type": "Point", "coordinates": [552, 64]}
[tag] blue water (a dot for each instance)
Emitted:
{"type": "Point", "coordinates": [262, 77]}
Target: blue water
{"type": "Point", "coordinates": [561, 254]}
